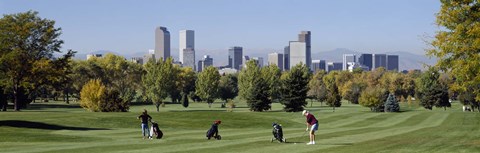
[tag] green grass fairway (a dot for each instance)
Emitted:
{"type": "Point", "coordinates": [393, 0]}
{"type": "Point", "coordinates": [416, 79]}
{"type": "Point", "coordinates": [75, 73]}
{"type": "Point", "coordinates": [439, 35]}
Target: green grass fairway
{"type": "Point", "coordinates": [57, 127]}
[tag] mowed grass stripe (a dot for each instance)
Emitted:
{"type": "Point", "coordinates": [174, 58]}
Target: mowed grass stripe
{"type": "Point", "coordinates": [344, 138]}
{"type": "Point", "coordinates": [351, 129]}
{"type": "Point", "coordinates": [347, 140]}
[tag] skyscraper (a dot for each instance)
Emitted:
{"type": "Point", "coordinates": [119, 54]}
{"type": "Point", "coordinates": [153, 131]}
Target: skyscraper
{"type": "Point", "coordinates": [305, 36]}
{"type": "Point", "coordinates": [298, 53]}
{"type": "Point", "coordinates": [348, 59]}
{"type": "Point", "coordinates": [366, 60]}
{"type": "Point", "coordinates": [379, 60]}
{"type": "Point", "coordinates": [235, 55]}
{"type": "Point", "coordinates": [286, 58]}
{"type": "Point", "coordinates": [147, 57]}
{"type": "Point", "coordinates": [187, 40]}
{"type": "Point", "coordinates": [277, 59]}
{"type": "Point", "coordinates": [258, 60]}
{"type": "Point", "coordinates": [392, 62]}
{"type": "Point", "coordinates": [200, 66]}
{"type": "Point", "coordinates": [334, 66]}
{"type": "Point", "coordinates": [162, 43]}
{"type": "Point", "coordinates": [138, 60]}
{"type": "Point", "coordinates": [206, 62]}
{"type": "Point", "coordinates": [318, 65]}
{"type": "Point", "coordinates": [189, 58]}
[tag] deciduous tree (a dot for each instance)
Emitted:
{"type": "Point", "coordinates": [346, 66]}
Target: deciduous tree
{"type": "Point", "coordinates": [317, 86]}
{"type": "Point", "coordinates": [206, 86]}
{"type": "Point", "coordinates": [457, 43]}
{"type": "Point", "coordinates": [26, 41]}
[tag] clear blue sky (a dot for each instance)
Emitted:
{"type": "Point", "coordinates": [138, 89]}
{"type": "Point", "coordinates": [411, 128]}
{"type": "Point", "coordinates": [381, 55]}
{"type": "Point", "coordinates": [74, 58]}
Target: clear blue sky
{"type": "Point", "coordinates": [127, 26]}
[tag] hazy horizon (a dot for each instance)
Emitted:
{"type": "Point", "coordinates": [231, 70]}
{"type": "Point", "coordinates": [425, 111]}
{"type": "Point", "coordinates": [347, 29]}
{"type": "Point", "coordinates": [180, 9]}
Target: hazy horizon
{"type": "Point", "coordinates": [127, 27]}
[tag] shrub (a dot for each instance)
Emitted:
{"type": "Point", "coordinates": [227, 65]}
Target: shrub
{"type": "Point", "coordinates": [91, 95]}
{"type": "Point", "coordinates": [111, 102]}
{"type": "Point", "coordinates": [96, 98]}
{"type": "Point", "coordinates": [374, 98]}
{"type": "Point", "coordinates": [230, 105]}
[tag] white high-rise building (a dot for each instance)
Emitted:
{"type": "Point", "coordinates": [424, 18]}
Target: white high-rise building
{"type": "Point", "coordinates": [348, 59]}
{"type": "Point", "coordinates": [277, 59]}
{"type": "Point", "coordinates": [298, 53]}
{"type": "Point", "coordinates": [162, 43]}
{"type": "Point", "coordinates": [187, 40]}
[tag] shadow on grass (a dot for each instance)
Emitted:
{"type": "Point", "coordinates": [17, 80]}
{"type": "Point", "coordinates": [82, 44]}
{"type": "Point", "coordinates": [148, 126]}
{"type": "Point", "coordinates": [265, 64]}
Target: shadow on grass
{"type": "Point", "coordinates": [44, 126]}
{"type": "Point", "coordinates": [39, 106]}
{"type": "Point", "coordinates": [202, 110]}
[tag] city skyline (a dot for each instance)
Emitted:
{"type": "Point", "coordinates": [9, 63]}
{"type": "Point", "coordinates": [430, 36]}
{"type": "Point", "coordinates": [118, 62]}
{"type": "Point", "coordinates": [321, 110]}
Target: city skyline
{"type": "Point", "coordinates": [373, 26]}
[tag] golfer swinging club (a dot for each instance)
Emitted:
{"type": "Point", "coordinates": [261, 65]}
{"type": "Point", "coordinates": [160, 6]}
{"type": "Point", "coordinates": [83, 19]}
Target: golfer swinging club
{"type": "Point", "coordinates": [312, 124]}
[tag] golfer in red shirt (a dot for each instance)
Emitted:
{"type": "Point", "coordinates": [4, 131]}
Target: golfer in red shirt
{"type": "Point", "coordinates": [312, 124]}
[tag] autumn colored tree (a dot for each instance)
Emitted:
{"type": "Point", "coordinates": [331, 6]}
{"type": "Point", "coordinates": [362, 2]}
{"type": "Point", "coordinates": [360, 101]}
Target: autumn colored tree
{"type": "Point", "coordinates": [91, 95]}
{"type": "Point", "coordinates": [317, 87]}
{"type": "Point", "coordinates": [27, 44]}
{"type": "Point", "coordinates": [456, 44]}
{"type": "Point", "coordinates": [333, 95]}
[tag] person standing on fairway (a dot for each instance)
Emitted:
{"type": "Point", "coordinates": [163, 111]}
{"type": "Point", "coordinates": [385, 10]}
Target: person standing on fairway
{"type": "Point", "coordinates": [312, 124]}
{"type": "Point", "coordinates": [145, 119]}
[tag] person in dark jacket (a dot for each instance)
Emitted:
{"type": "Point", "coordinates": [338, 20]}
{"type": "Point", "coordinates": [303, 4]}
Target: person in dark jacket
{"type": "Point", "coordinates": [145, 118]}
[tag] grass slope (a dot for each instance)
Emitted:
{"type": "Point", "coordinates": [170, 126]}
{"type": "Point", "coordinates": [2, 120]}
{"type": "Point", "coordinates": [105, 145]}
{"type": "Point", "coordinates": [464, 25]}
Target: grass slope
{"type": "Point", "coordinates": [57, 127]}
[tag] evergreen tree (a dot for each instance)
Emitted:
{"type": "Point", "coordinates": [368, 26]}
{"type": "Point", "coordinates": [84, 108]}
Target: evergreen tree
{"type": "Point", "coordinates": [294, 88]}
{"type": "Point", "coordinates": [253, 87]}
{"type": "Point", "coordinates": [391, 105]}
{"type": "Point", "coordinates": [185, 100]}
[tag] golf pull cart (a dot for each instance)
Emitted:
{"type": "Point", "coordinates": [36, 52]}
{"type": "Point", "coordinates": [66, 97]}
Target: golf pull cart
{"type": "Point", "coordinates": [277, 133]}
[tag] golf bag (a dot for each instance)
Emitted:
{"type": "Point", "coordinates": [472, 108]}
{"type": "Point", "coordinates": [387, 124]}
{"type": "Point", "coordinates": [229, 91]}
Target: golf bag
{"type": "Point", "coordinates": [213, 132]}
{"type": "Point", "coordinates": [277, 133]}
{"type": "Point", "coordinates": [155, 131]}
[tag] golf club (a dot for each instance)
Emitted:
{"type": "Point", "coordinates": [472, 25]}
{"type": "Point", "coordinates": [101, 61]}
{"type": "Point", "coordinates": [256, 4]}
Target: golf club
{"type": "Point", "coordinates": [300, 137]}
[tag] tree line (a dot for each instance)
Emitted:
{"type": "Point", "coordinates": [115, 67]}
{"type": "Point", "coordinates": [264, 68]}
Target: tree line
{"type": "Point", "coordinates": [29, 70]}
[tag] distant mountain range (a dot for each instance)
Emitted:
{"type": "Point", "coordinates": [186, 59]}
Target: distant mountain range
{"type": "Point", "coordinates": [407, 60]}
